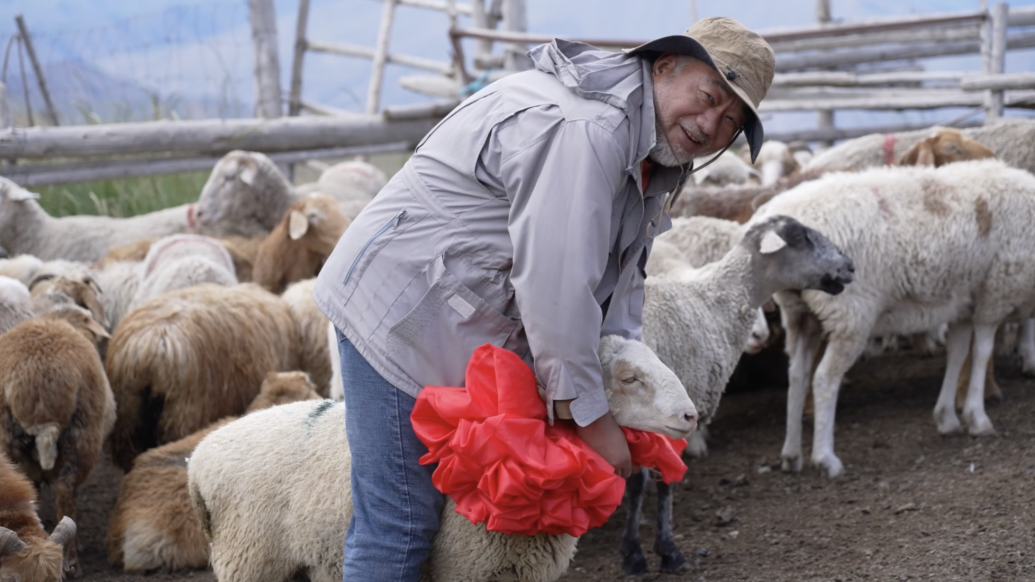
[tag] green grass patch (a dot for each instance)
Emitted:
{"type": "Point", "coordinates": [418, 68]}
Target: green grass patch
{"type": "Point", "coordinates": [122, 198]}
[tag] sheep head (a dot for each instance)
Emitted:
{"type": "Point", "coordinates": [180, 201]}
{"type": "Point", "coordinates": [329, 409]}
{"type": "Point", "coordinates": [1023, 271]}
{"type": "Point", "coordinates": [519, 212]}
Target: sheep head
{"type": "Point", "coordinates": [281, 388]}
{"type": "Point", "coordinates": [642, 392]}
{"type": "Point", "coordinates": [775, 160]}
{"type": "Point", "coordinates": [944, 147]}
{"type": "Point", "coordinates": [318, 221]}
{"type": "Point", "coordinates": [50, 291]}
{"type": "Point", "coordinates": [245, 194]}
{"type": "Point", "coordinates": [82, 320]}
{"type": "Point", "coordinates": [790, 255]}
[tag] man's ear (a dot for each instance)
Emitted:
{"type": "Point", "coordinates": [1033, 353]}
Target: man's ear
{"type": "Point", "coordinates": [664, 64]}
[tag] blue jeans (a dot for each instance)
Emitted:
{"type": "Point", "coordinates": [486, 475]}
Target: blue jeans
{"type": "Point", "coordinates": [395, 507]}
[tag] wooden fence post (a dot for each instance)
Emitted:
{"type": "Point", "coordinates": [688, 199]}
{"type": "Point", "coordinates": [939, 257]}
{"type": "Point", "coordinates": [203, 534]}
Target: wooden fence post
{"type": "Point", "coordinates": [824, 117]}
{"type": "Point", "coordinates": [380, 56]}
{"type": "Point", "coordinates": [27, 40]}
{"type": "Point", "coordinates": [999, 16]}
{"type": "Point", "coordinates": [267, 66]}
{"type": "Point", "coordinates": [295, 98]}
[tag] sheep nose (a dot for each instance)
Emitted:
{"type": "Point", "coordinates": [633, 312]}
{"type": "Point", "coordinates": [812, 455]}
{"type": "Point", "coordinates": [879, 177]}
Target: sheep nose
{"type": "Point", "coordinates": [690, 416]}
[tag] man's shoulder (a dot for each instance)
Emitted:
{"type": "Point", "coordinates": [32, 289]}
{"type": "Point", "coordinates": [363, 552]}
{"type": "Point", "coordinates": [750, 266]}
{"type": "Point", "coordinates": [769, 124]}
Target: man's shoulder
{"type": "Point", "coordinates": [538, 89]}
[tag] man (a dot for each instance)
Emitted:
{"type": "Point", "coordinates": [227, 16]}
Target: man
{"type": "Point", "coordinates": [524, 220]}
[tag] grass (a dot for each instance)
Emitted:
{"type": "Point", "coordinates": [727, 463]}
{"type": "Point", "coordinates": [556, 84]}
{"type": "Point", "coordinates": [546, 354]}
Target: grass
{"type": "Point", "coordinates": [122, 198]}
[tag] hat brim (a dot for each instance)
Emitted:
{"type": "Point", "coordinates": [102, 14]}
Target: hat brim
{"type": "Point", "coordinates": [684, 45]}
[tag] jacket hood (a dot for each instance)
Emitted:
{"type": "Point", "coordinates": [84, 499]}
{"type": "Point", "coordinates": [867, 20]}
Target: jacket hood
{"type": "Point", "coordinates": [617, 79]}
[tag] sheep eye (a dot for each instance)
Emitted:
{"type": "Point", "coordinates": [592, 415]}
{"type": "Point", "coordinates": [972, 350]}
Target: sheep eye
{"type": "Point", "coordinates": [630, 380]}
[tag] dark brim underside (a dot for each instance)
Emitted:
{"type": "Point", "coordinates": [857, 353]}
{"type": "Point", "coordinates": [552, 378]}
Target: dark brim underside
{"type": "Point", "coordinates": [684, 45]}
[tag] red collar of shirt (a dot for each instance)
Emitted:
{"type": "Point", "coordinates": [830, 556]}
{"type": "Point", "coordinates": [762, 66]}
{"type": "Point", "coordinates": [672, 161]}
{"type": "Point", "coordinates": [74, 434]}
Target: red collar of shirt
{"type": "Point", "coordinates": [646, 169]}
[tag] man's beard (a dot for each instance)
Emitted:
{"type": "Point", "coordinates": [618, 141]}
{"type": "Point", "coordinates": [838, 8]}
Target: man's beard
{"type": "Point", "coordinates": [663, 152]}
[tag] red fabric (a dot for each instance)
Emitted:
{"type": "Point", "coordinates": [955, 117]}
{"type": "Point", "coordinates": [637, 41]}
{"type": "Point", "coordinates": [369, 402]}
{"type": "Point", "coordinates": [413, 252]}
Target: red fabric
{"type": "Point", "coordinates": [646, 170]}
{"type": "Point", "coordinates": [504, 465]}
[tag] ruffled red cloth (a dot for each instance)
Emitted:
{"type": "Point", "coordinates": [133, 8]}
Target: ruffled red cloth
{"type": "Point", "coordinates": [504, 465]}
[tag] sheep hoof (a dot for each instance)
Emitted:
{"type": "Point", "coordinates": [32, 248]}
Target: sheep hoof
{"type": "Point", "coordinates": [947, 422]}
{"type": "Point", "coordinates": [674, 562]}
{"type": "Point", "coordinates": [978, 424]}
{"type": "Point", "coordinates": [634, 562]}
{"type": "Point", "coordinates": [831, 464]}
{"type": "Point", "coordinates": [791, 464]}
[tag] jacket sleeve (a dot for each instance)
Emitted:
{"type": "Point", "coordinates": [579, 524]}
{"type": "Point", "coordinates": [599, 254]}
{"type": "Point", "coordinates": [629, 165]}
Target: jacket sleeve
{"type": "Point", "coordinates": [561, 190]}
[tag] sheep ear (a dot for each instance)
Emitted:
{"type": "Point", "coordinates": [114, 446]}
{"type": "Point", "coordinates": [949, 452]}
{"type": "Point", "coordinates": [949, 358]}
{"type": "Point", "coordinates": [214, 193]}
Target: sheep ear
{"type": "Point", "coordinates": [926, 156]}
{"type": "Point", "coordinates": [97, 329]}
{"type": "Point", "coordinates": [298, 225]}
{"type": "Point", "coordinates": [20, 194]}
{"type": "Point", "coordinates": [248, 172]}
{"type": "Point", "coordinates": [771, 242]}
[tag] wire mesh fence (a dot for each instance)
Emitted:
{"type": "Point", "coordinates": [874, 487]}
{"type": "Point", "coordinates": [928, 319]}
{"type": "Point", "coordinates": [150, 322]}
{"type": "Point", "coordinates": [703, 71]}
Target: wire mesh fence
{"type": "Point", "coordinates": [184, 61]}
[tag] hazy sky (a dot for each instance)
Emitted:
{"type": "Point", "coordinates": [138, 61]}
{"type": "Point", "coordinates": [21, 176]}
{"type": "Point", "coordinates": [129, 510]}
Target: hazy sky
{"type": "Point", "coordinates": [186, 48]}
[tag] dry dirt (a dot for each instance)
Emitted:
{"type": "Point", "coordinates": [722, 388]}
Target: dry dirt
{"type": "Point", "coordinates": [911, 505]}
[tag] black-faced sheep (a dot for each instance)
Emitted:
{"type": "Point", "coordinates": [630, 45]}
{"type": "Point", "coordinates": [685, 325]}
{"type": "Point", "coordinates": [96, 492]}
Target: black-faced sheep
{"type": "Point", "coordinates": [27, 553]}
{"type": "Point", "coordinates": [56, 408]}
{"type": "Point", "coordinates": [184, 360]}
{"type": "Point", "coordinates": [153, 525]}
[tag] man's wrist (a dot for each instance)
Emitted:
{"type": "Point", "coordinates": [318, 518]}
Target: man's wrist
{"type": "Point", "coordinates": [562, 409]}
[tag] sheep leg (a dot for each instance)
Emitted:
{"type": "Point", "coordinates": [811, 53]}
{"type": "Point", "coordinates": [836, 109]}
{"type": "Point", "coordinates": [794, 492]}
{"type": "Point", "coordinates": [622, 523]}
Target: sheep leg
{"type": "Point", "coordinates": [633, 561]}
{"type": "Point", "coordinates": [672, 559]}
{"type": "Point", "coordinates": [978, 423]}
{"type": "Point", "coordinates": [802, 347]}
{"type": "Point", "coordinates": [1027, 346]}
{"type": "Point", "coordinates": [65, 504]}
{"type": "Point", "coordinates": [841, 353]}
{"type": "Point", "coordinates": [957, 347]}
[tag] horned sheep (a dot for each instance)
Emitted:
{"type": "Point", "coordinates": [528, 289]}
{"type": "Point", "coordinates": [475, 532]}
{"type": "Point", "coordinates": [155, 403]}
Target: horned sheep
{"type": "Point", "coordinates": [182, 361]}
{"type": "Point", "coordinates": [153, 525]}
{"type": "Point", "coordinates": [27, 553]}
{"type": "Point", "coordinates": [287, 526]}
{"type": "Point", "coordinates": [932, 246]}
{"type": "Point", "coordinates": [57, 407]}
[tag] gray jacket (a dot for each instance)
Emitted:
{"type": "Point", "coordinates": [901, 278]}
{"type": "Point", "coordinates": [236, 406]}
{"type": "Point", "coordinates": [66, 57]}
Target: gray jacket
{"type": "Point", "coordinates": [518, 217]}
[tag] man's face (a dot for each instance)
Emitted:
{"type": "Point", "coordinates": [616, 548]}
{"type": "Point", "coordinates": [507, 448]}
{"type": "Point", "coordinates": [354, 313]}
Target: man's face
{"type": "Point", "coordinates": [696, 112]}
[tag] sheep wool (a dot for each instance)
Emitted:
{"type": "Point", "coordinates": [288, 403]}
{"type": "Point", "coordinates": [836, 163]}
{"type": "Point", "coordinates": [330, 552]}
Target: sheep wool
{"type": "Point", "coordinates": [182, 361]}
{"type": "Point", "coordinates": [931, 246]}
{"type": "Point", "coordinates": [316, 353]}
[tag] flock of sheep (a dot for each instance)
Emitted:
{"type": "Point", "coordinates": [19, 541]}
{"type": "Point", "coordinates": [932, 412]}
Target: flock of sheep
{"type": "Point", "coordinates": [148, 336]}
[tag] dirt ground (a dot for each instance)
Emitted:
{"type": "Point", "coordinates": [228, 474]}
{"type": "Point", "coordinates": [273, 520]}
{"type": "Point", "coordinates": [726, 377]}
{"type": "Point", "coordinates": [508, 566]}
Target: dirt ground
{"type": "Point", "coordinates": [911, 505]}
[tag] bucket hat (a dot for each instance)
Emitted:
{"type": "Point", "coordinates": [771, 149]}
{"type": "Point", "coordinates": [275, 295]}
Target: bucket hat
{"type": "Point", "coordinates": [744, 60]}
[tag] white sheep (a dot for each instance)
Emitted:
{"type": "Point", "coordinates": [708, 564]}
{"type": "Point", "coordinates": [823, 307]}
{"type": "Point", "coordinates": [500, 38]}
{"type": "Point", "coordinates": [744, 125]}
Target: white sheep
{"type": "Point", "coordinates": [247, 195]}
{"type": "Point", "coordinates": [698, 320]}
{"type": "Point", "coordinates": [316, 355]}
{"type": "Point", "coordinates": [181, 261]}
{"type": "Point", "coordinates": [353, 183]}
{"type": "Point", "coordinates": [931, 246]}
{"type": "Point", "coordinates": [25, 228]}
{"type": "Point", "coordinates": [1011, 140]}
{"type": "Point", "coordinates": [15, 303]}
{"type": "Point", "coordinates": [272, 489]}
{"type": "Point", "coordinates": [727, 170]}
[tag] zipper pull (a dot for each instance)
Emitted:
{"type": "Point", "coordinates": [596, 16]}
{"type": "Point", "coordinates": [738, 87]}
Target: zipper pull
{"type": "Point", "coordinates": [398, 217]}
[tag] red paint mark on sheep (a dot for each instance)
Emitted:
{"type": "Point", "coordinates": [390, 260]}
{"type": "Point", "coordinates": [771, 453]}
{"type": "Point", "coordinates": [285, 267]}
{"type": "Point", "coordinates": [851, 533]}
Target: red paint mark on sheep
{"type": "Point", "coordinates": [882, 204]}
{"type": "Point", "coordinates": [889, 148]}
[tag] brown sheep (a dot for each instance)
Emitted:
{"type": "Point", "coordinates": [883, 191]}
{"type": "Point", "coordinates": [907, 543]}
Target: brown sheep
{"type": "Point", "coordinates": [312, 328]}
{"type": "Point", "coordinates": [944, 147]}
{"type": "Point", "coordinates": [179, 362]}
{"type": "Point", "coordinates": [153, 524]}
{"type": "Point", "coordinates": [56, 408]}
{"type": "Point", "coordinates": [299, 245]}
{"type": "Point", "coordinates": [27, 553]}
{"type": "Point", "coordinates": [242, 250]}
{"type": "Point", "coordinates": [49, 290]}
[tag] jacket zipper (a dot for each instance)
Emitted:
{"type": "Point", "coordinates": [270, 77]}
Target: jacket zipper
{"type": "Point", "coordinates": [393, 223]}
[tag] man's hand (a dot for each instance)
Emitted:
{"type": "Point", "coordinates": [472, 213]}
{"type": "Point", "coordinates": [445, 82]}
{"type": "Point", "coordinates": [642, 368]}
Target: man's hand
{"type": "Point", "coordinates": [607, 439]}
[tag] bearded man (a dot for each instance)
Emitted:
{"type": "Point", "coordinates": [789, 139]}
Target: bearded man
{"type": "Point", "coordinates": [523, 219]}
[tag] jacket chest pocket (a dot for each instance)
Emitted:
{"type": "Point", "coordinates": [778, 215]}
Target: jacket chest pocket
{"type": "Point", "coordinates": [433, 342]}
